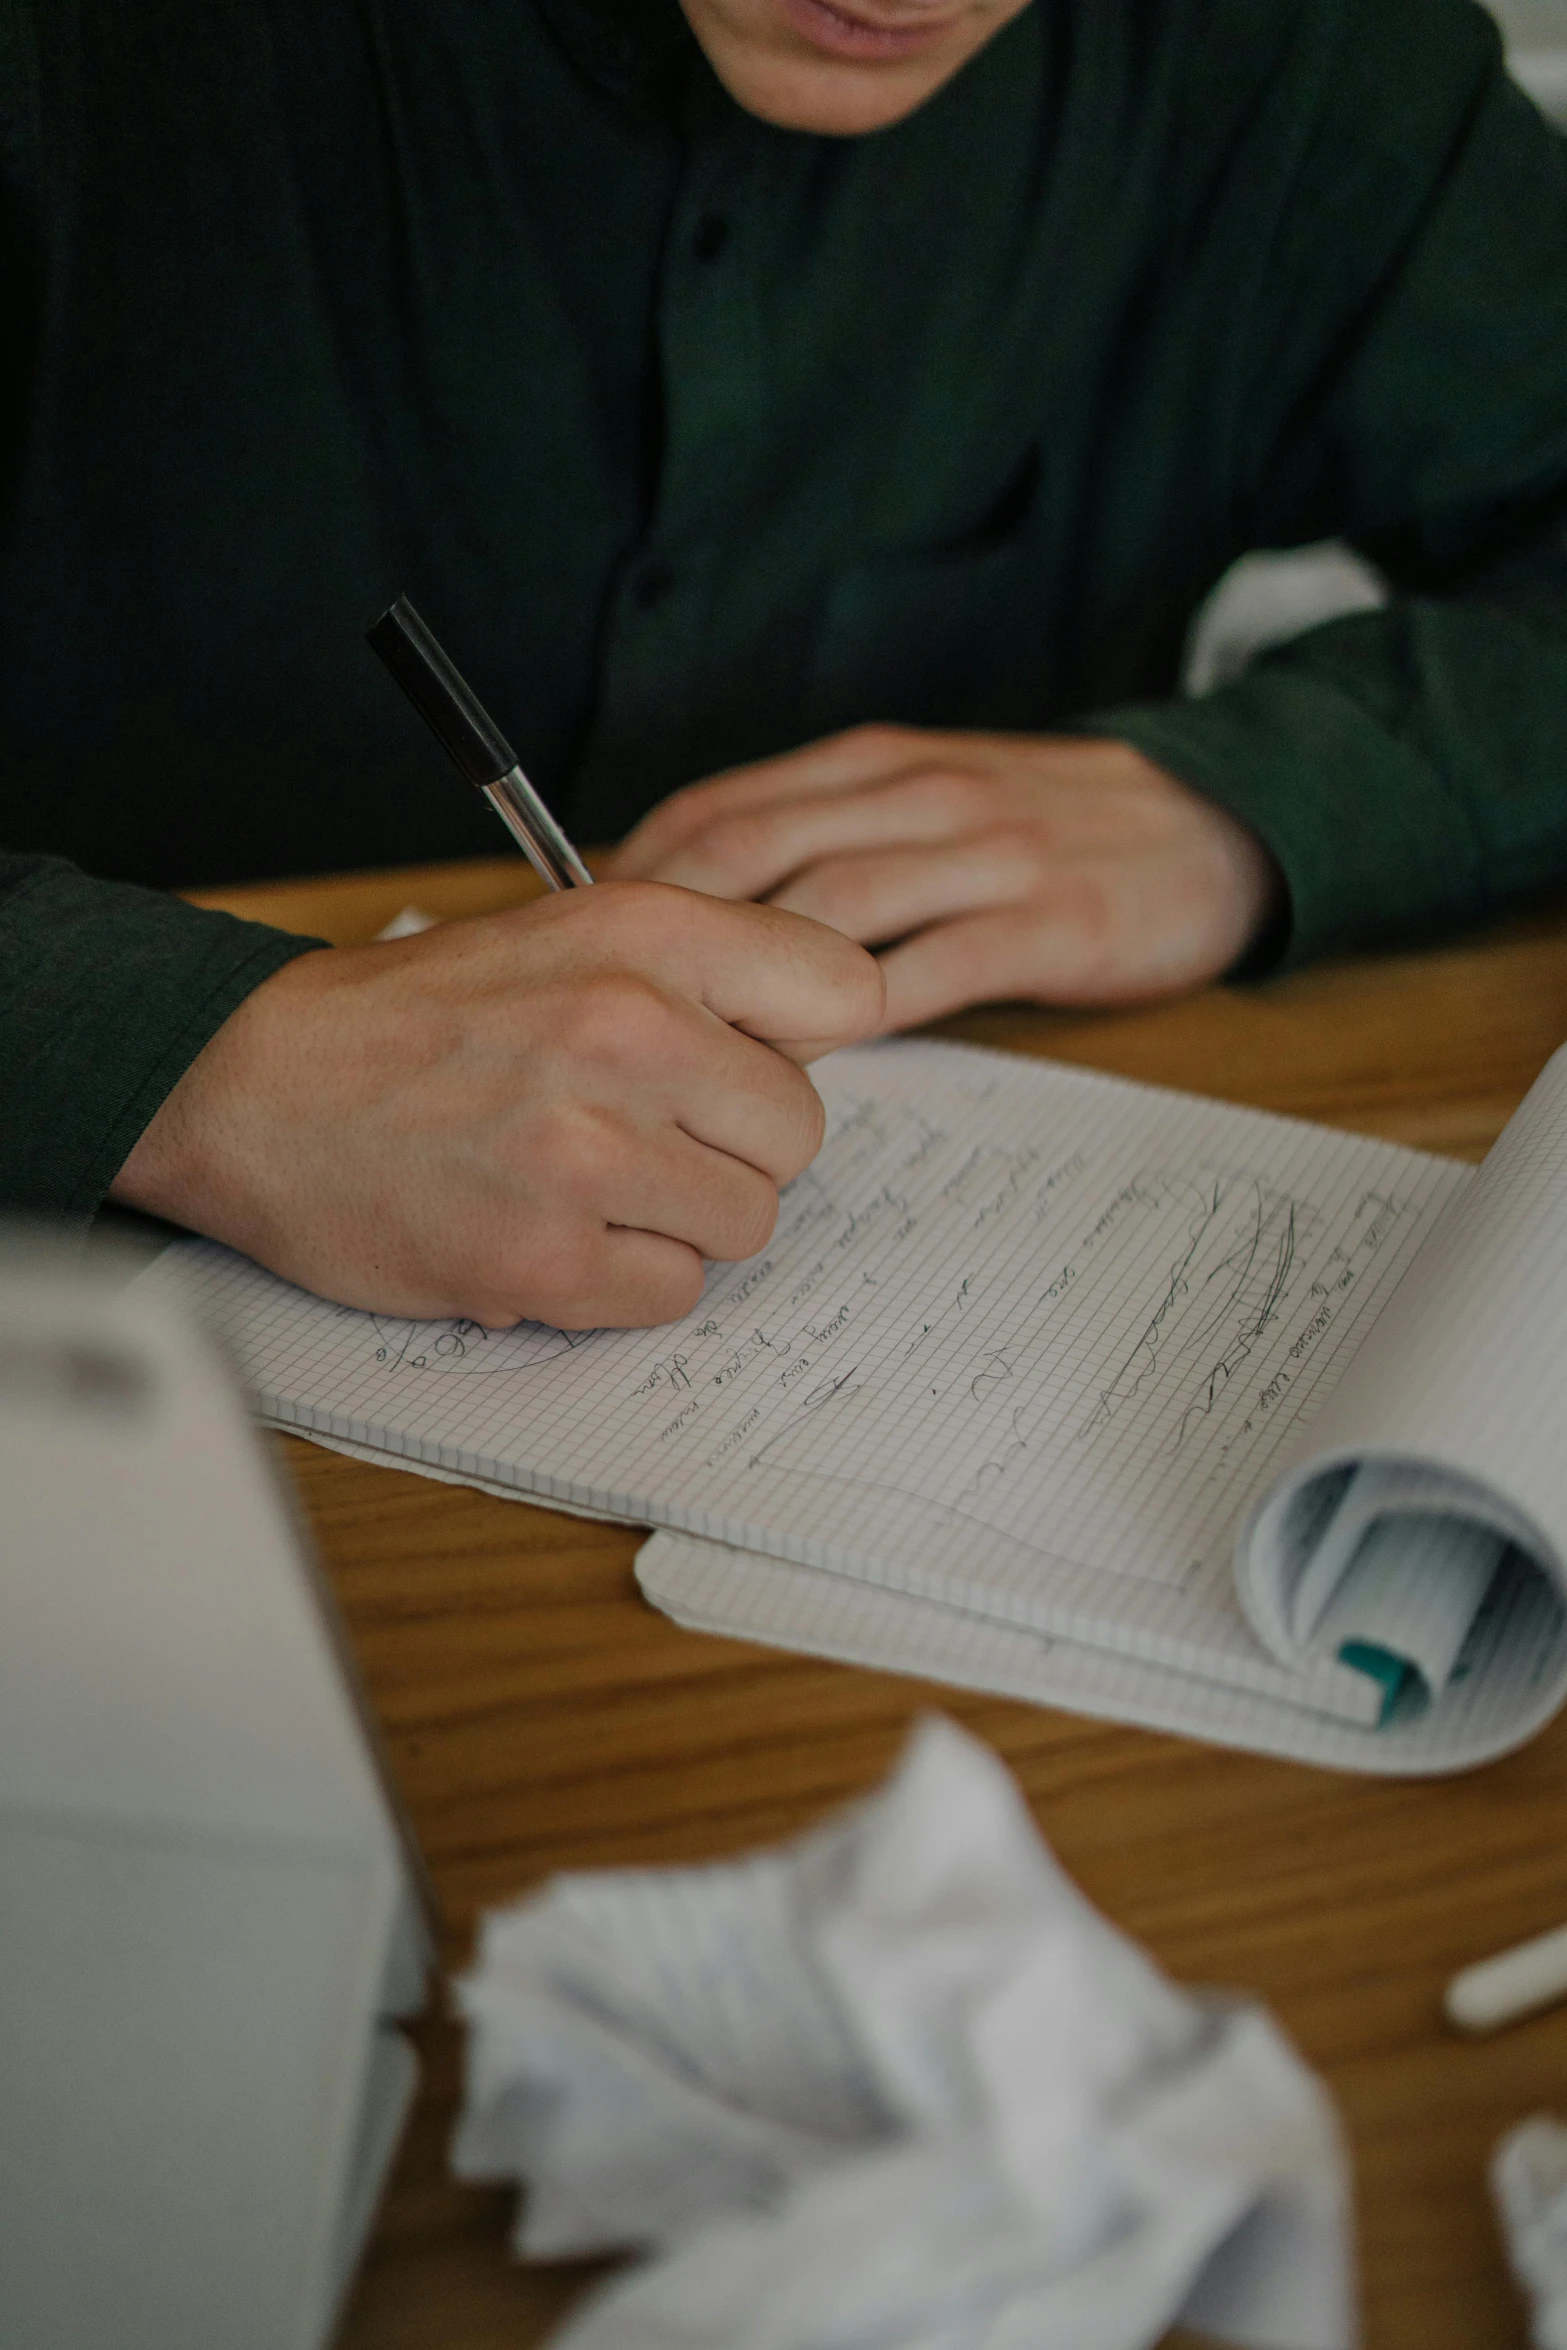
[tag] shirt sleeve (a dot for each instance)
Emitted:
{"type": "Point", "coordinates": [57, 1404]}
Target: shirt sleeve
{"type": "Point", "coordinates": [107, 994]}
{"type": "Point", "coordinates": [1407, 767]}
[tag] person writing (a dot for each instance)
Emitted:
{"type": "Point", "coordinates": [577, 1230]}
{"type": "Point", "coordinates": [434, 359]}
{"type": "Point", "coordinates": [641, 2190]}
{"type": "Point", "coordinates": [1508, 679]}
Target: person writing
{"type": "Point", "coordinates": [891, 379]}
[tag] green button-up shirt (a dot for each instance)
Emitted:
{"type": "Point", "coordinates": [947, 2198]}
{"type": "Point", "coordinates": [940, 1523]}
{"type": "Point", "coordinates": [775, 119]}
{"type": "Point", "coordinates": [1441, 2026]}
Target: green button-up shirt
{"type": "Point", "coordinates": [695, 439]}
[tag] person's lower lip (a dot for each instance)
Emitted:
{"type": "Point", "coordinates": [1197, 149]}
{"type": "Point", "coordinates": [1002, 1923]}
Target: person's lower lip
{"type": "Point", "coordinates": [850, 36]}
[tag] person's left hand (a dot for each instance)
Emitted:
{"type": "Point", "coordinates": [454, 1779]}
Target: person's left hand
{"type": "Point", "coordinates": [1057, 869]}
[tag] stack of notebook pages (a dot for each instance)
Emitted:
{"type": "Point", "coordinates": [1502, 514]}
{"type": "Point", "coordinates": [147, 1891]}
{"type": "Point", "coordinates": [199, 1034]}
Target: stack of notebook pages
{"type": "Point", "coordinates": [1082, 1391]}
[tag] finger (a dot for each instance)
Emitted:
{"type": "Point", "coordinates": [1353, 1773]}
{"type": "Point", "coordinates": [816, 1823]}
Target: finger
{"type": "Point", "coordinates": [838, 763]}
{"type": "Point", "coordinates": [754, 854]}
{"type": "Point", "coordinates": [686, 1191]}
{"type": "Point", "coordinates": [795, 984]}
{"type": "Point", "coordinates": [884, 894]}
{"type": "Point", "coordinates": [1031, 953]}
{"type": "Point", "coordinates": [1093, 933]}
{"type": "Point", "coordinates": [618, 1280]}
{"type": "Point", "coordinates": [748, 1101]}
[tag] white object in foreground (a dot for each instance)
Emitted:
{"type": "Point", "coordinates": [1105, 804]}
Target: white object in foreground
{"type": "Point", "coordinates": [1514, 1984]}
{"type": "Point", "coordinates": [1529, 2183]}
{"type": "Point", "coordinates": [207, 1919]}
{"type": "Point", "coordinates": [897, 2082]}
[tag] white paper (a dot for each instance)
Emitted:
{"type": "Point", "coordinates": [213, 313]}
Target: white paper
{"type": "Point", "coordinates": [1529, 2185]}
{"type": "Point", "coordinates": [408, 922]}
{"type": "Point", "coordinates": [897, 2083]}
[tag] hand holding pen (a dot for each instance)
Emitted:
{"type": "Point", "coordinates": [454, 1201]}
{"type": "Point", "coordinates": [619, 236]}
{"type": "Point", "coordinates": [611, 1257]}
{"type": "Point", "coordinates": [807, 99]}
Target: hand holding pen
{"type": "Point", "coordinates": [557, 1113]}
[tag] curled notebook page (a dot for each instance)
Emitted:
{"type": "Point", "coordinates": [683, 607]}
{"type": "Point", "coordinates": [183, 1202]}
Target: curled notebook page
{"type": "Point", "coordinates": [1435, 1477]}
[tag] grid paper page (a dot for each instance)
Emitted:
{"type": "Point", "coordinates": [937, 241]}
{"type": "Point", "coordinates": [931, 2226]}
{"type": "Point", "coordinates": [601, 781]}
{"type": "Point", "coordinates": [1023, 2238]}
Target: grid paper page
{"type": "Point", "coordinates": [1508, 1687]}
{"type": "Point", "coordinates": [1025, 1341]}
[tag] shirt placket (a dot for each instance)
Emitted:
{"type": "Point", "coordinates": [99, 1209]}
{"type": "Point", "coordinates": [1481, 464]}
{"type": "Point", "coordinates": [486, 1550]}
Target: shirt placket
{"type": "Point", "coordinates": [667, 631]}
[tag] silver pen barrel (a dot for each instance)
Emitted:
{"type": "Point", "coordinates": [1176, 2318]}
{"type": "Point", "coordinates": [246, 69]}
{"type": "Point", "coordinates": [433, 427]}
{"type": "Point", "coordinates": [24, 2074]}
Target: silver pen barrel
{"type": "Point", "coordinates": [536, 832]}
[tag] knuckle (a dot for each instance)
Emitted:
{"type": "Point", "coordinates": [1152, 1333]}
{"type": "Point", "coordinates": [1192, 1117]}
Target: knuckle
{"type": "Point", "coordinates": [574, 1151]}
{"type": "Point", "coordinates": [850, 898]}
{"type": "Point", "coordinates": [880, 738]}
{"type": "Point", "coordinates": [626, 914]}
{"type": "Point", "coordinates": [700, 805]}
{"type": "Point", "coordinates": [645, 901]}
{"type": "Point", "coordinates": [618, 1016]}
{"type": "Point", "coordinates": [648, 839]}
{"type": "Point", "coordinates": [505, 1286]}
{"type": "Point", "coordinates": [952, 797]}
{"type": "Point", "coordinates": [1089, 930]}
{"type": "Point", "coordinates": [736, 842]}
{"type": "Point", "coordinates": [562, 1279]}
{"type": "Point", "coordinates": [617, 917]}
{"type": "Point", "coordinates": [1027, 846]}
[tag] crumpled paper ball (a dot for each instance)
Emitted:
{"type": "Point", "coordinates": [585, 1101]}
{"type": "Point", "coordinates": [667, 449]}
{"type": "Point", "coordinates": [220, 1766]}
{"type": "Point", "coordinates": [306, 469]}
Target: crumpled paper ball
{"type": "Point", "coordinates": [896, 2086]}
{"type": "Point", "coordinates": [1529, 2183]}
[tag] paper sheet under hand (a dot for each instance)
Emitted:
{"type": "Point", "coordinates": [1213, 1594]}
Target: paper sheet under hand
{"type": "Point", "coordinates": [896, 2084]}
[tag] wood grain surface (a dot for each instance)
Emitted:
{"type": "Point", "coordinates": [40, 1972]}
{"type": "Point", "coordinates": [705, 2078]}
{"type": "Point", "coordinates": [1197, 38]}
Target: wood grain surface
{"type": "Point", "coordinates": [539, 1716]}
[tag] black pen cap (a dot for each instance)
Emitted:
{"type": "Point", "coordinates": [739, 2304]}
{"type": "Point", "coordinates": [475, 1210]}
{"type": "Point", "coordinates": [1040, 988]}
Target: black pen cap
{"type": "Point", "coordinates": [454, 715]}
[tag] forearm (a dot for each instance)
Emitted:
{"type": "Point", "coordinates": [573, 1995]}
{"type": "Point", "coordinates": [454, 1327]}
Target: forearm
{"type": "Point", "coordinates": [109, 993]}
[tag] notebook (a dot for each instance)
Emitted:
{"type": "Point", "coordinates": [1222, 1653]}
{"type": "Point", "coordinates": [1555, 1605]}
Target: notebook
{"type": "Point", "coordinates": [1096, 1392]}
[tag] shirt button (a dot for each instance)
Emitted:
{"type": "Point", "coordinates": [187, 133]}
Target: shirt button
{"type": "Point", "coordinates": [652, 584]}
{"type": "Point", "coordinates": [710, 236]}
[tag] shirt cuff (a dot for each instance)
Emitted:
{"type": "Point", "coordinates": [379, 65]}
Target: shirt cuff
{"type": "Point", "coordinates": [1374, 846]}
{"type": "Point", "coordinates": [109, 992]}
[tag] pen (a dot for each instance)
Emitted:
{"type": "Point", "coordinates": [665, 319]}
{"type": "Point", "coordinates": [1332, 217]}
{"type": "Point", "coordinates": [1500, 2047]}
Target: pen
{"type": "Point", "coordinates": [474, 743]}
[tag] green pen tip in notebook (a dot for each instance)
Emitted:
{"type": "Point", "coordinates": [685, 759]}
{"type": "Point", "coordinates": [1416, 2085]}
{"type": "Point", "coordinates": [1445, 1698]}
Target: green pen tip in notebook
{"type": "Point", "coordinates": [1392, 1671]}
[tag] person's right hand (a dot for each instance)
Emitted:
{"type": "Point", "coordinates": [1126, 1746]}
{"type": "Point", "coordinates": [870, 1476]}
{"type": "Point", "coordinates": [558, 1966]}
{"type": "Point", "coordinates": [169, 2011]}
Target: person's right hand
{"type": "Point", "coordinates": [550, 1114]}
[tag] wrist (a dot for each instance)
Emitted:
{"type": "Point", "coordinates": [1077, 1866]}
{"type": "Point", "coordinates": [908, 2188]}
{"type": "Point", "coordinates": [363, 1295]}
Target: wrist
{"type": "Point", "coordinates": [1219, 880]}
{"type": "Point", "coordinates": [191, 1163]}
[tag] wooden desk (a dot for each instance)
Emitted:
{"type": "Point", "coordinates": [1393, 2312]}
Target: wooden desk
{"type": "Point", "coordinates": [538, 1716]}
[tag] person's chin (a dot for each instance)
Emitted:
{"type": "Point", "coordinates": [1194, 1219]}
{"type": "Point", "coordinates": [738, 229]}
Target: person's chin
{"type": "Point", "coordinates": [833, 72]}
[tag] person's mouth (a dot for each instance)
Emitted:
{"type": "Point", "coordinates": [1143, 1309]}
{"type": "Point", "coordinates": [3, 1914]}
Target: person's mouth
{"type": "Point", "coordinates": [863, 39]}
